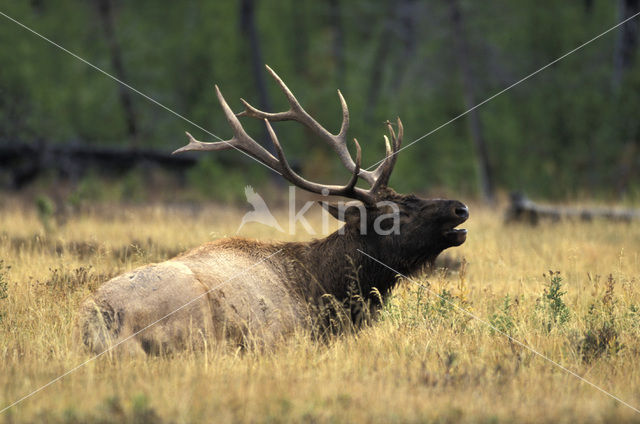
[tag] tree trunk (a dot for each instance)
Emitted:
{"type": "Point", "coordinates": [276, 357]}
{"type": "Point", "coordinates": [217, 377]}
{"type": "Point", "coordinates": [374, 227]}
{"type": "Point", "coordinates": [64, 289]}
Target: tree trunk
{"type": "Point", "coordinates": [462, 51]}
{"type": "Point", "coordinates": [626, 42]}
{"type": "Point", "coordinates": [250, 32]}
{"type": "Point", "coordinates": [625, 48]}
{"type": "Point", "coordinates": [378, 63]}
{"type": "Point", "coordinates": [335, 21]}
{"type": "Point", "coordinates": [299, 37]}
{"type": "Point", "coordinates": [105, 11]}
{"type": "Point", "coordinates": [407, 11]}
{"type": "Point", "coordinates": [588, 6]}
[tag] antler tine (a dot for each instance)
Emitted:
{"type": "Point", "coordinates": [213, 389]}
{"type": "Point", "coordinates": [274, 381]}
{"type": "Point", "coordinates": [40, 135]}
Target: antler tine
{"type": "Point", "coordinates": [348, 190]}
{"type": "Point", "coordinates": [194, 145]}
{"type": "Point", "coordinates": [354, 176]}
{"type": "Point", "coordinates": [253, 112]}
{"type": "Point", "coordinates": [377, 178]}
{"type": "Point", "coordinates": [345, 118]}
{"type": "Point", "coordinates": [240, 140]}
{"type": "Point", "coordinates": [383, 172]}
{"type": "Point", "coordinates": [293, 102]}
{"type": "Point", "coordinates": [397, 141]}
{"type": "Point", "coordinates": [297, 113]}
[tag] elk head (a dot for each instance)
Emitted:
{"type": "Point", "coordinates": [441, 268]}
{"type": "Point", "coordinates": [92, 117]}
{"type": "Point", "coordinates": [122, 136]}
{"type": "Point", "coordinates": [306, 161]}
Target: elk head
{"type": "Point", "coordinates": [425, 227]}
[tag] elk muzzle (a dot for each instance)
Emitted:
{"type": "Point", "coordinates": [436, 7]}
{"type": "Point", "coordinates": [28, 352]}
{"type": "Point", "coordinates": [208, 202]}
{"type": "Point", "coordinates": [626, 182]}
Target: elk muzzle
{"type": "Point", "coordinates": [459, 214]}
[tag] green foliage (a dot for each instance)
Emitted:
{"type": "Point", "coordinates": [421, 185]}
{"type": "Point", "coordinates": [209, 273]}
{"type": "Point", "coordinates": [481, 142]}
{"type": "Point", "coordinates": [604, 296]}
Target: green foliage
{"type": "Point", "coordinates": [425, 305]}
{"type": "Point", "coordinates": [113, 410]}
{"type": "Point", "coordinates": [46, 209]}
{"type": "Point", "coordinates": [90, 189]}
{"type": "Point", "coordinates": [633, 314]}
{"type": "Point", "coordinates": [602, 332]}
{"type": "Point", "coordinates": [212, 181]}
{"type": "Point", "coordinates": [554, 311]}
{"type": "Point", "coordinates": [503, 320]}
{"type": "Point", "coordinates": [142, 412]}
{"type": "Point", "coordinates": [565, 131]}
{"type": "Point", "coordinates": [444, 303]}
{"type": "Point", "coordinates": [132, 187]}
{"type": "Point", "coordinates": [64, 281]}
{"type": "Point", "coordinates": [598, 341]}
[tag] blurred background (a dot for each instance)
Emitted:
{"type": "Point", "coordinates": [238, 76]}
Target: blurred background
{"type": "Point", "coordinates": [569, 132]}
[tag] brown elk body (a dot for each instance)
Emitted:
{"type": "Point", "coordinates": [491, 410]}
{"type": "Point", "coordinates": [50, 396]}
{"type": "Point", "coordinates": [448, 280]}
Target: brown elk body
{"type": "Point", "coordinates": [242, 289]}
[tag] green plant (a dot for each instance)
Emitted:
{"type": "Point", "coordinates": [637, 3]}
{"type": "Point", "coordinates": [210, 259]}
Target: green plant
{"type": "Point", "coordinates": [601, 336]}
{"type": "Point", "coordinates": [213, 181]}
{"type": "Point", "coordinates": [141, 411]}
{"type": "Point", "coordinates": [63, 280]}
{"type": "Point", "coordinates": [132, 187]}
{"type": "Point", "coordinates": [633, 314]}
{"type": "Point", "coordinates": [599, 340]}
{"type": "Point", "coordinates": [46, 209]}
{"type": "Point", "coordinates": [555, 311]}
{"type": "Point", "coordinates": [445, 303]}
{"type": "Point", "coordinates": [502, 320]}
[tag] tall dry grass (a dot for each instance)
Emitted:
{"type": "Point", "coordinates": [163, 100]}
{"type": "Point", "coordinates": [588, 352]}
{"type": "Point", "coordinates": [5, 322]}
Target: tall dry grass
{"type": "Point", "coordinates": [420, 360]}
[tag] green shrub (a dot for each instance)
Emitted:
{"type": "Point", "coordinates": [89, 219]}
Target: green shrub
{"type": "Point", "coordinates": [90, 189]}
{"type": "Point", "coordinates": [601, 336]}
{"type": "Point", "coordinates": [132, 187]}
{"type": "Point", "coordinates": [555, 312]}
{"type": "Point", "coordinates": [502, 320]}
{"type": "Point", "coordinates": [46, 209]}
{"type": "Point", "coordinates": [213, 181]}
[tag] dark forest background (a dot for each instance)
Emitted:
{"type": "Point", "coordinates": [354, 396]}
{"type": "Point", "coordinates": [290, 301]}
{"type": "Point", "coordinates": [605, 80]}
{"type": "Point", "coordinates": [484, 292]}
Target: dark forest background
{"type": "Point", "coordinates": [572, 130]}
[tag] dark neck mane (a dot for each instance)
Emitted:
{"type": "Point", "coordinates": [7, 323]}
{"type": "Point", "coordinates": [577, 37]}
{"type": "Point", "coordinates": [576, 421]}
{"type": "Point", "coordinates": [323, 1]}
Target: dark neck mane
{"type": "Point", "coordinates": [332, 264]}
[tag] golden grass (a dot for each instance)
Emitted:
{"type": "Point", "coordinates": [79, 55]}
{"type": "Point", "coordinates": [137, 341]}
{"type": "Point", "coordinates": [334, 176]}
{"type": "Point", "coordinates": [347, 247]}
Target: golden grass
{"type": "Point", "coordinates": [419, 361]}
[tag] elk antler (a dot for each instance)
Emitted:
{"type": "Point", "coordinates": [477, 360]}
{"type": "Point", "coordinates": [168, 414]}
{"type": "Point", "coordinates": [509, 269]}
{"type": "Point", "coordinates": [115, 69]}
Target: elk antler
{"type": "Point", "coordinates": [383, 171]}
{"type": "Point", "coordinates": [377, 178]}
{"type": "Point", "coordinates": [242, 141]}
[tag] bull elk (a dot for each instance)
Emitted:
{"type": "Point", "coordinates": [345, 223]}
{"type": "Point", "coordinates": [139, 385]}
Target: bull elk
{"type": "Point", "coordinates": [235, 288]}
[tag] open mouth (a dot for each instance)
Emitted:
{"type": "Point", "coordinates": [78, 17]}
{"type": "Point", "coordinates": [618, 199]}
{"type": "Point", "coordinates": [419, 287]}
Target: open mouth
{"type": "Point", "coordinates": [456, 236]}
{"type": "Point", "coordinates": [456, 231]}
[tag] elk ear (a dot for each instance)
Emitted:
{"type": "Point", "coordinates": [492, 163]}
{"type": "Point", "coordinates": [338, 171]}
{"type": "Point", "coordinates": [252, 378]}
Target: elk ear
{"type": "Point", "coordinates": [350, 212]}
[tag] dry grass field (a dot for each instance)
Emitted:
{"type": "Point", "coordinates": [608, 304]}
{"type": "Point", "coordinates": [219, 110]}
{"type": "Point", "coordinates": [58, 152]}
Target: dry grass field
{"type": "Point", "coordinates": [569, 290]}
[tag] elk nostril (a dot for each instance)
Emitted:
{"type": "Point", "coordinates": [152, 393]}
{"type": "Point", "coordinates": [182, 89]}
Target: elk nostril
{"type": "Point", "coordinates": [462, 212]}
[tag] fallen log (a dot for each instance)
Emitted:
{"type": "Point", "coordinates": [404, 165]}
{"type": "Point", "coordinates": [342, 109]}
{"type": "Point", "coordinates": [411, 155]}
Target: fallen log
{"type": "Point", "coordinates": [22, 163]}
{"type": "Point", "coordinates": [522, 209]}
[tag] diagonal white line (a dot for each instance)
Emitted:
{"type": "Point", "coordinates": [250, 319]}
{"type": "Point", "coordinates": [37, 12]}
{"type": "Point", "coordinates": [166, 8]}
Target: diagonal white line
{"type": "Point", "coordinates": [472, 315]}
{"type": "Point", "coordinates": [509, 87]}
{"type": "Point", "coordinates": [133, 335]}
{"type": "Point", "coordinates": [152, 100]}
